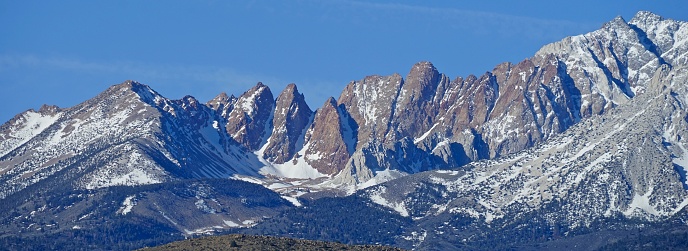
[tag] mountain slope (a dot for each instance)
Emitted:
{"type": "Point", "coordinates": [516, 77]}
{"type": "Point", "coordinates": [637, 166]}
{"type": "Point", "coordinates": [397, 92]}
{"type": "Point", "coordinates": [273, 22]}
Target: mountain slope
{"type": "Point", "coordinates": [612, 178]}
{"type": "Point", "coordinates": [626, 164]}
{"type": "Point", "coordinates": [590, 129]}
{"type": "Point", "coordinates": [127, 135]}
{"type": "Point", "coordinates": [380, 127]}
{"type": "Point", "coordinates": [449, 123]}
{"type": "Point", "coordinates": [129, 217]}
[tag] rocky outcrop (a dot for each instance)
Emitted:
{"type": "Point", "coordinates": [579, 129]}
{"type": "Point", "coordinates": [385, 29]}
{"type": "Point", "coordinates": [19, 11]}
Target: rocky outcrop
{"type": "Point", "coordinates": [370, 103]}
{"type": "Point", "coordinates": [328, 142]}
{"type": "Point", "coordinates": [222, 104]}
{"type": "Point", "coordinates": [291, 117]}
{"type": "Point", "coordinates": [250, 121]}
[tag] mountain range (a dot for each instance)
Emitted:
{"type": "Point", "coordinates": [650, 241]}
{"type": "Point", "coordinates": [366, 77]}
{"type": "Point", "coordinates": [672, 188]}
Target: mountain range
{"type": "Point", "coordinates": [586, 137]}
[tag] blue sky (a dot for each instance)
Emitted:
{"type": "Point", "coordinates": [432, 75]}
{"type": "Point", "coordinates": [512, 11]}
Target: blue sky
{"type": "Point", "coordinates": [64, 52]}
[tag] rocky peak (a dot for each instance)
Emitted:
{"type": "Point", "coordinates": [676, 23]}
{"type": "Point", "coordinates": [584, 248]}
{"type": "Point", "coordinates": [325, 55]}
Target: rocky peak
{"type": "Point", "coordinates": [292, 115]}
{"type": "Point", "coordinates": [130, 84]}
{"type": "Point", "coordinates": [124, 91]}
{"type": "Point", "coordinates": [222, 104]}
{"type": "Point", "coordinates": [190, 104]}
{"type": "Point", "coordinates": [329, 105]}
{"type": "Point", "coordinates": [326, 146]}
{"type": "Point", "coordinates": [134, 86]}
{"type": "Point", "coordinates": [646, 17]}
{"type": "Point", "coordinates": [254, 99]}
{"type": "Point", "coordinates": [289, 92]}
{"type": "Point", "coordinates": [290, 101]}
{"type": "Point", "coordinates": [218, 101]}
{"type": "Point", "coordinates": [370, 103]}
{"type": "Point", "coordinates": [189, 100]}
{"type": "Point", "coordinates": [49, 109]}
{"type": "Point", "coordinates": [617, 22]}
{"type": "Point", "coordinates": [423, 68]}
{"type": "Point", "coordinates": [249, 122]}
{"type": "Point", "coordinates": [663, 37]}
{"type": "Point", "coordinates": [415, 110]}
{"type": "Point", "coordinates": [421, 81]}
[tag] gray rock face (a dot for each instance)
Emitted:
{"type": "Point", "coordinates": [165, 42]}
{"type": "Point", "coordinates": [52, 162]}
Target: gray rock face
{"type": "Point", "coordinates": [369, 103]}
{"type": "Point", "coordinates": [415, 107]}
{"type": "Point", "coordinates": [625, 164]}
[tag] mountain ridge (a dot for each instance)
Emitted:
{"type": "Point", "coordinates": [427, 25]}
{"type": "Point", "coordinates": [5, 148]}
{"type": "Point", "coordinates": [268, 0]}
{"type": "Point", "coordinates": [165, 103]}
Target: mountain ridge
{"type": "Point", "coordinates": [426, 119]}
{"type": "Point", "coordinates": [532, 138]}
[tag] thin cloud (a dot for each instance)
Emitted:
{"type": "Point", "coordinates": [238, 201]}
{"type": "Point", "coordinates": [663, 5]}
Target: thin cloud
{"type": "Point", "coordinates": [162, 72]}
{"type": "Point", "coordinates": [204, 81]}
{"type": "Point", "coordinates": [479, 22]}
{"type": "Point", "coordinates": [177, 78]}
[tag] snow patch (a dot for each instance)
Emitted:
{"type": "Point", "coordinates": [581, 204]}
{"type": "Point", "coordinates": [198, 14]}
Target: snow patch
{"type": "Point", "coordinates": [376, 197]}
{"type": "Point", "coordinates": [641, 202]}
{"type": "Point", "coordinates": [127, 205]}
{"type": "Point", "coordinates": [135, 177]}
{"type": "Point", "coordinates": [230, 223]}
{"type": "Point", "coordinates": [293, 200]}
{"type": "Point", "coordinates": [296, 168]}
{"type": "Point", "coordinates": [425, 135]}
{"type": "Point", "coordinates": [381, 177]}
{"type": "Point", "coordinates": [204, 230]}
{"type": "Point", "coordinates": [247, 104]}
{"type": "Point", "coordinates": [34, 123]}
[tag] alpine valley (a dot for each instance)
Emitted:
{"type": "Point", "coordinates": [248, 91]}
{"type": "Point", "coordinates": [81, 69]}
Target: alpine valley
{"type": "Point", "coordinates": [582, 146]}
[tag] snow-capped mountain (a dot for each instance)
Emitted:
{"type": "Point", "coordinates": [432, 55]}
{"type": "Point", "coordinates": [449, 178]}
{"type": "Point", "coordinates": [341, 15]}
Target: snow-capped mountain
{"type": "Point", "coordinates": [127, 135]}
{"type": "Point", "coordinates": [590, 128]}
{"type": "Point", "coordinates": [426, 121]}
{"type": "Point", "coordinates": [380, 127]}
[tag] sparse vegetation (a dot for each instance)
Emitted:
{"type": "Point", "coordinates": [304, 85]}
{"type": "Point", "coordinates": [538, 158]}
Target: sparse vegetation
{"type": "Point", "coordinates": [264, 243]}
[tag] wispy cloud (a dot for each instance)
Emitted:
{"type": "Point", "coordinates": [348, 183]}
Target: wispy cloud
{"type": "Point", "coordinates": [480, 22]}
{"type": "Point", "coordinates": [201, 81]}
{"type": "Point", "coordinates": [153, 71]}
{"type": "Point", "coordinates": [185, 77]}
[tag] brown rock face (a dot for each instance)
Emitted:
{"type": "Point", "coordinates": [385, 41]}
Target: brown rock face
{"type": "Point", "coordinates": [440, 123]}
{"type": "Point", "coordinates": [370, 103]}
{"type": "Point", "coordinates": [415, 107]}
{"type": "Point", "coordinates": [512, 123]}
{"type": "Point", "coordinates": [327, 149]}
{"type": "Point", "coordinates": [194, 112]}
{"type": "Point", "coordinates": [249, 122]}
{"type": "Point", "coordinates": [291, 117]}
